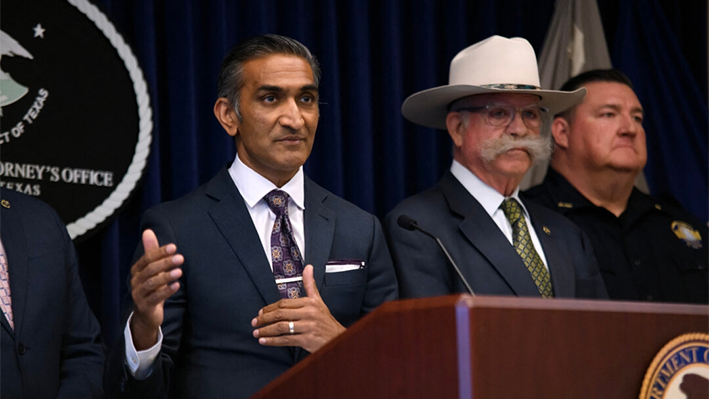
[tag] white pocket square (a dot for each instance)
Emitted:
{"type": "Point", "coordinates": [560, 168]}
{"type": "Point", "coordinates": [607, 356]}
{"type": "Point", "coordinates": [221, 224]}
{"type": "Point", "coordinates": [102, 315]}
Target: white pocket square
{"type": "Point", "coordinates": [344, 265]}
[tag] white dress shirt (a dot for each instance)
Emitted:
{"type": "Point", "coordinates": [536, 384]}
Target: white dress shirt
{"type": "Point", "coordinates": [491, 199]}
{"type": "Point", "coordinates": [253, 188]}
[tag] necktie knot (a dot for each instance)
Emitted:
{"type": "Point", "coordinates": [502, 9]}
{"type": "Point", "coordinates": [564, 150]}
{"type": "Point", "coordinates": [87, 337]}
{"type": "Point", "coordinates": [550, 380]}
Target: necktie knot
{"type": "Point", "coordinates": [277, 201]}
{"type": "Point", "coordinates": [512, 210]}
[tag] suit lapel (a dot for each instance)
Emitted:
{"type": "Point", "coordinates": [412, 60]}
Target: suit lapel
{"type": "Point", "coordinates": [233, 220]}
{"type": "Point", "coordinates": [319, 224]}
{"type": "Point", "coordinates": [483, 234]}
{"type": "Point", "coordinates": [319, 230]}
{"type": "Point", "coordinates": [6, 326]}
{"type": "Point", "coordinates": [560, 269]}
{"type": "Point", "coordinates": [15, 243]}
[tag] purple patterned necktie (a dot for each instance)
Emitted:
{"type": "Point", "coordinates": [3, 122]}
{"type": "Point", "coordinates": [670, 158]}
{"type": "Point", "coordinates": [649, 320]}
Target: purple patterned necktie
{"type": "Point", "coordinates": [285, 255]}
{"type": "Point", "coordinates": [5, 300]}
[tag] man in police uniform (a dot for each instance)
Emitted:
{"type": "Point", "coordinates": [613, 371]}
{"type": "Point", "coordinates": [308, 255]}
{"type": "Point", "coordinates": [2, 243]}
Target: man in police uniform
{"type": "Point", "coordinates": [646, 249]}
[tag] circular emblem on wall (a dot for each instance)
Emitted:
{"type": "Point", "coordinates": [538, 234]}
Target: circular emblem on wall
{"type": "Point", "coordinates": [680, 370]}
{"type": "Point", "coordinates": [76, 121]}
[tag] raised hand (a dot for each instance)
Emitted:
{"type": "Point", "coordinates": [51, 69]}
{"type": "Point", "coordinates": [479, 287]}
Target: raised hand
{"type": "Point", "coordinates": [153, 280]}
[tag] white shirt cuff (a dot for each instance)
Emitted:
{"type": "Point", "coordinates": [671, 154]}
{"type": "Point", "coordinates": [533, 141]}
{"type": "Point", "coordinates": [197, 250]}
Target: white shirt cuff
{"type": "Point", "coordinates": [140, 363]}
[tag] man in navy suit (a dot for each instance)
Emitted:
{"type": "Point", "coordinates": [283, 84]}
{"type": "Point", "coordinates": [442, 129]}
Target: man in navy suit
{"type": "Point", "coordinates": [494, 111]}
{"type": "Point", "coordinates": [50, 338]}
{"type": "Point", "coordinates": [222, 302]}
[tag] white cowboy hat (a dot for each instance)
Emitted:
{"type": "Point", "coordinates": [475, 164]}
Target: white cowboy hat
{"type": "Point", "coordinates": [494, 65]}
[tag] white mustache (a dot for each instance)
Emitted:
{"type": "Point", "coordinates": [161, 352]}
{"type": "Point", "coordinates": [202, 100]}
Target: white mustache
{"type": "Point", "coordinates": [538, 148]}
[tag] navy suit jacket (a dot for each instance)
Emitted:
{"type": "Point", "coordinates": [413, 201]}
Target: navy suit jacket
{"type": "Point", "coordinates": [54, 350]}
{"type": "Point", "coordinates": [486, 258]}
{"type": "Point", "coordinates": [208, 349]}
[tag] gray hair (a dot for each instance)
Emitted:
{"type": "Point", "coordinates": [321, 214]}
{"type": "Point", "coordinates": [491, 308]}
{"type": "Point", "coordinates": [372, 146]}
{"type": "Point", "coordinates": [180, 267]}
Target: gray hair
{"type": "Point", "coordinates": [462, 102]}
{"type": "Point", "coordinates": [231, 75]}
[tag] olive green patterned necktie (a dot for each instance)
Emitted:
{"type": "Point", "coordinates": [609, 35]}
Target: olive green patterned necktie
{"type": "Point", "coordinates": [522, 242]}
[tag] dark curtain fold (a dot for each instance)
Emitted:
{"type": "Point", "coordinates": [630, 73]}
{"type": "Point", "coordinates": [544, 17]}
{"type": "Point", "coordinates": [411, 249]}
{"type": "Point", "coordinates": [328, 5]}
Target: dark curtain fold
{"type": "Point", "coordinates": [374, 54]}
{"type": "Point", "coordinates": [676, 120]}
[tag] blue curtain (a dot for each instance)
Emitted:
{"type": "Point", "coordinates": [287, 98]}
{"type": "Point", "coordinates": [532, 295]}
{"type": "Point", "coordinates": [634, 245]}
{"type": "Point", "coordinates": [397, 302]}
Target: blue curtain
{"type": "Point", "coordinates": [374, 54]}
{"type": "Point", "coordinates": [647, 49]}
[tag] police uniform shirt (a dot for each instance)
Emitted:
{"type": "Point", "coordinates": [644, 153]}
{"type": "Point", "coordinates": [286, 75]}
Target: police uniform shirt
{"type": "Point", "coordinates": [654, 251]}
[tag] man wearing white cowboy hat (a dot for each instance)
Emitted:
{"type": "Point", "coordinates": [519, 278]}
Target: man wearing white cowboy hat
{"type": "Point", "coordinates": [493, 110]}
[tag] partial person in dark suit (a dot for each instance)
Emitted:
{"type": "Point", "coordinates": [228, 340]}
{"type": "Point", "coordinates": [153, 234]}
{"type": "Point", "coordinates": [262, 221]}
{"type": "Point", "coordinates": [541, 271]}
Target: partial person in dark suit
{"type": "Point", "coordinates": [493, 109]}
{"type": "Point", "coordinates": [648, 249]}
{"type": "Point", "coordinates": [224, 305]}
{"type": "Point", "coordinates": [50, 337]}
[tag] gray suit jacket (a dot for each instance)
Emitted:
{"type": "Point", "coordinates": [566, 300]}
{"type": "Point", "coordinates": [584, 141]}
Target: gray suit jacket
{"type": "Point", "coordinates": [208, 349]}
{"type": "Point", "coordinates": [485, 256]}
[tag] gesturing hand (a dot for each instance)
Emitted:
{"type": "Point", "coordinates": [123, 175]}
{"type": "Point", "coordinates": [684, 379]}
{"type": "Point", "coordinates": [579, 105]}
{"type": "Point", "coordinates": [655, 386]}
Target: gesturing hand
{"type": "Point", "coordinates": [313, 325]}
{"type": "Point", "coordinates": [152, 282]}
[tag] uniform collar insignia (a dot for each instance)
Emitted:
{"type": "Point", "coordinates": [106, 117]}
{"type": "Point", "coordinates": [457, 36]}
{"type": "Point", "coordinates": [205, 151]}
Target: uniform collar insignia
{"type": "Point", "coordinates": [565, 205]}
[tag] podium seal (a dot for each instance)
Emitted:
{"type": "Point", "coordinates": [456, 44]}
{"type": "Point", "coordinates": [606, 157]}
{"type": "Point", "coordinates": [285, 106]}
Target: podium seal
{"type": "Point", "coordinates": [680, 370]}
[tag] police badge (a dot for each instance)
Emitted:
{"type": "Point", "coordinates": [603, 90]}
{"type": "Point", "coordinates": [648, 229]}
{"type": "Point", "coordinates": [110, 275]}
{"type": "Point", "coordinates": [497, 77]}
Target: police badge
{"type": "Point", "coordinates": [687, 233]}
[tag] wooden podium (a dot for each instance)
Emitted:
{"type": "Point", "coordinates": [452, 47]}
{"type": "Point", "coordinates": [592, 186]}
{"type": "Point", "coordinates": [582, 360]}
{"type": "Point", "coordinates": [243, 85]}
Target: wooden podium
{"type": "Point", "coordinates": [492, 347]}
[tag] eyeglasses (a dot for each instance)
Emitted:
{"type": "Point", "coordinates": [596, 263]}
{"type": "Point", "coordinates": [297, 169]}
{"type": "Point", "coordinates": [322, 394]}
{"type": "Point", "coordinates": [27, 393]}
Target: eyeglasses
{"type": "Point", "coordinates": [500, 115]}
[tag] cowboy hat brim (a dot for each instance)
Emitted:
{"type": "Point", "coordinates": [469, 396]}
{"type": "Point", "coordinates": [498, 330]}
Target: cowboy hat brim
{"type": "Point", "coordinates": [430, 107]}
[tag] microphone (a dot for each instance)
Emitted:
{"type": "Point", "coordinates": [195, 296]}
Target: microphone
{"type": "Point", "coordinates": [408, 223]}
